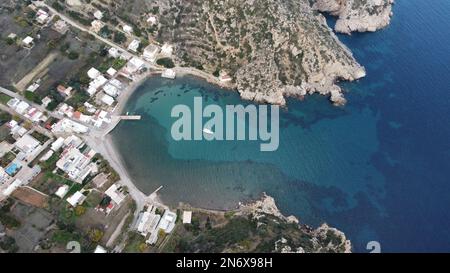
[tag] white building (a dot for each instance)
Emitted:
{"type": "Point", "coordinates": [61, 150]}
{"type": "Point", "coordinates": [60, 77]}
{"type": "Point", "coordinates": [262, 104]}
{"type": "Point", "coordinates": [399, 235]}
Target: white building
{"type": "Point", "coordinates": [169, 74]}
{"type": "Point", "coordinates": [127, 29]}
{"type": "Point", "coordinates": [111, 90]}
{"type": "Point", "coordinates": [28, 42]}
{"type": "Point", "coordinates": [69, 126]}
{"type": "Point", "coordinates": [45, 101]}
{"type": "Point", "coordinates": [75, 164]}
{"type": "Point", "coordinates": [61, 26]}
{"type": "Point", "coordinates": [13, 103]}
{"type": "Point", "coordinates": [134, 45]}
{"type": "Point", "coordinates": [46, 156]}
{"type": "Point", "coordinates": [95, 84]}
{"type": "Point", "coordinates": [100, 249]}
{"type": "Point", "coordinates": [93, 73]}
{"type": "Point", "coordinates": [167, 222]}
{"type": "Point", "coordinates": [151, 52]}
{"type": "Point", "coordinates": [96, 25]}
{"type": "Point", "coordinates": [57, 144]}
{"type": "Point", "coordinates": [12, 187]}
{"type": "Point", "coordinates": [111, 72]}
{"type": "Point", "coordinates": [187, 217]}
{"type": "Point", "coordinates": [134, 65]}
{"type": "Point", "coordinates": [76, 199]}
{"type": "Point", "coordinates": [62, 191]}
{"type": "Point", "coordinates": [108, 100]}
{"type": "Point", "coordinates": [98, 15]}
{"type": "Point", "coordinates": [116, 192]}
{"type": "Point", "coordinates": [167, 50]}
{"type": "Point", "coordinates": [22, 107]}
{"type": "Point", "coordinates": [116, 83]}
{"type": "Point", "coordinates": [152, 20]}
{"type": "Point", "coordinates": [27, 144]}
{"type": "Point", "coordinates": [114, 52]}
{"type": "Point", "coordinates": [42, 17]}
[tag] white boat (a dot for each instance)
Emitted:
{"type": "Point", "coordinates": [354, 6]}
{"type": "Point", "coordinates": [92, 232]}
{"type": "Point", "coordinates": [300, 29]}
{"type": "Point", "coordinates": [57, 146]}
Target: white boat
{"type": "Point", "coordinates": [208, 131]}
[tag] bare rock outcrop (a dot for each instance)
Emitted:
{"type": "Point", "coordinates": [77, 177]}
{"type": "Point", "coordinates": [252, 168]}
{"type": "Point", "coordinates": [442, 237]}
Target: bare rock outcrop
{"type": "Point", "coordinates": [357, 15]}
{"type": "Point", "coordinates": [322, 239]}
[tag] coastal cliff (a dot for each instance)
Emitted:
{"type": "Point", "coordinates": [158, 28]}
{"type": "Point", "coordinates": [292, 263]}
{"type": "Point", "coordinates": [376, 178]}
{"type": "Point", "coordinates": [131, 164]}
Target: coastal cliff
{"type": "Point", "coordinates": [357, 15]}
{"type": "Point", "coordinates": [271, 49]}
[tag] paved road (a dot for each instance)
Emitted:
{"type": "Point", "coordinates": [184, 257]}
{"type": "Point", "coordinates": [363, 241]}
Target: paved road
{"type": "Point", "coordinates": [40, 107]}
{"type": "Point", "coordinates": [85, 29]}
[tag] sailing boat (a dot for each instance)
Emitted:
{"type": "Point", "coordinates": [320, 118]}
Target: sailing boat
{"type": "Point", "coordinates": [208, 131]}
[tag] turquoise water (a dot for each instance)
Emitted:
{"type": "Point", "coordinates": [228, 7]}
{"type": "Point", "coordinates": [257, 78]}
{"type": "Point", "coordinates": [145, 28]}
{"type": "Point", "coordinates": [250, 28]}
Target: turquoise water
{"type": "Point", "coordinates": [378, 168]}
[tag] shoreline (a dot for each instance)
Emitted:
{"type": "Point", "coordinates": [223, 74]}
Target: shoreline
{"type": "Point", "coordinates": [263, 204]}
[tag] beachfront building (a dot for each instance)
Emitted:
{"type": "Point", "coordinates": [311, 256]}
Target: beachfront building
{"type": "Point", "coordinates": [147, 223]}
{"type": "Point", "coordinates": [133, 66]}
{"type": "Point", "coordinates": [117, 193]}
{"type": "Point", "coordinates": [187, 217]}
{"type": "Point", "coordinates": [96, 82]}
{"type": "Point", "coordinates": [111, 90]}
{"type": "Point", "coordinates": [150, 53]}
{"type": "Point", "coordinates": [167, 222]}
{"type": "Point", "coordinates": [169, 74]}
{"type": "Point", "coordinates": [107, 99]}
{"type": "Point", "coordinates": [68, 126]}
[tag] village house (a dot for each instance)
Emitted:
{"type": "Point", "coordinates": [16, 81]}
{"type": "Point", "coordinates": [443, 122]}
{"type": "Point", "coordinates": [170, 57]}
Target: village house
{"type": "Point", "coordinates": [76, 199]}
{"type": "Point", "coordinates": [134, 45]}
{"type": "Point", "coordinates": [150, 53]}
{"type": "Point", "coordinates": [61, 26]}
{"type": "Point", "coordinates": [28, 42]}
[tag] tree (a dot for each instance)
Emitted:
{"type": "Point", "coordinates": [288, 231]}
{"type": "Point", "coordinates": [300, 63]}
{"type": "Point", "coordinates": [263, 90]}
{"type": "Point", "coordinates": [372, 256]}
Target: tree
{"type": "Point", "coordinates": [73, 55]}
{"type": "Point", "coordinates": [80, 210]}
{"type": "Point", "coordinates": [166, 62]}
{"type": "Point", "coordinates": [95, 235]}
{"type": "Point", "coordinates": [119, 37]}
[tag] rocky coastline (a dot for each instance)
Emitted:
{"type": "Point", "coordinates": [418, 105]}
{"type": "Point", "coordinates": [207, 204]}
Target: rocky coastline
{"type": "Point", "coordinates": [321, 240]}
{"type": "Point", "coordinates": [357, 15]}
{"type": "Point", "coordinates": [272, 50]}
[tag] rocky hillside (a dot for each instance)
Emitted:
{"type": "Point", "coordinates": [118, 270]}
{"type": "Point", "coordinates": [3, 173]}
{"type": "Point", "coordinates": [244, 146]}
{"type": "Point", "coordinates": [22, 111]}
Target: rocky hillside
{"type": "Point", "coordinates": [257, 227]}
{"type": "Point", "coordinates": [272, 49]}
{"type": "Point", "coordinates": [357, 15]}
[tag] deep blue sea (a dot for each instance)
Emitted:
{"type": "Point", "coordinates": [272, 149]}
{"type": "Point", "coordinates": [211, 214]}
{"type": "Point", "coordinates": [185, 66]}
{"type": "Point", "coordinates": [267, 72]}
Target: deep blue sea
{"type": "Point", "coordinates": [377, 169]}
